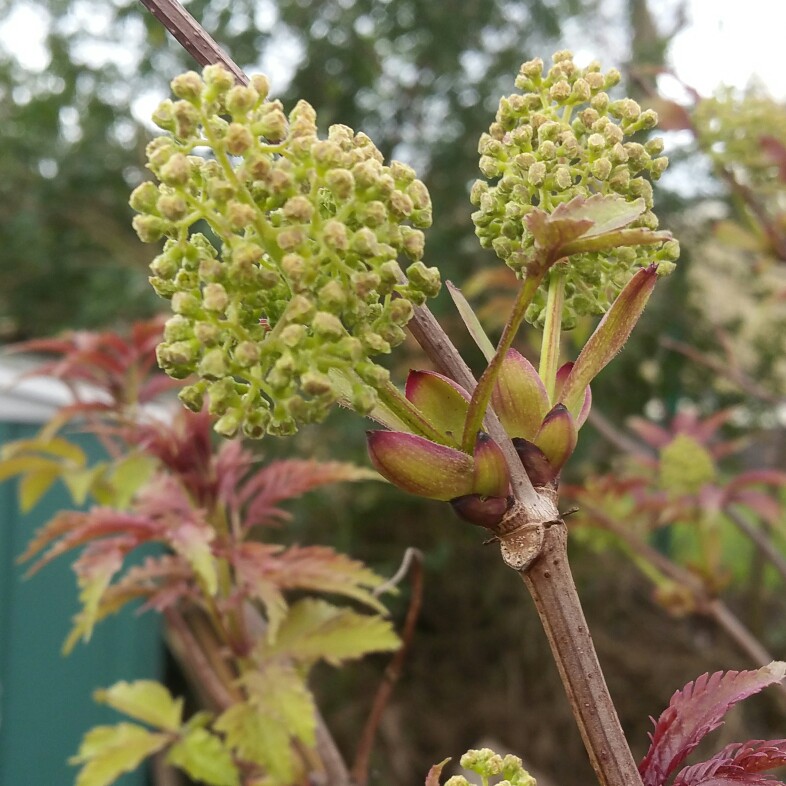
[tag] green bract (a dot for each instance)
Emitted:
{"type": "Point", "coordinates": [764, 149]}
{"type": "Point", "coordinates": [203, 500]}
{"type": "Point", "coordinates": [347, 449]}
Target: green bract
{"type": "Point", "coordinates": [305, 277]}
{"type": "Point", "coordinates": [563, 137]}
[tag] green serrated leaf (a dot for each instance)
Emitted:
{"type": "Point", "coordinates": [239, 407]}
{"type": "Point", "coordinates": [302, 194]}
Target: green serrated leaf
{"type": "Point", "coordinates": [204, 758]}
{"type": "Point", "coordinates": [128, 475]}
{"type": "Point", "coordinates": [108, 751]}
{"type": "Point", "coordinates": [22, 464]}
{"type": "Point", "coordinates": [280, 691]}
{"type": "Point", "coordinates": [54, 446]}
{"type": "Point", "coordinates": [260, 739]}
{"type": "Point", "coordinates": [192, 541]}
{"type": "Point", "coordinates": [144, 700]}
{"type": "Point", "coordinates": [316, 630]}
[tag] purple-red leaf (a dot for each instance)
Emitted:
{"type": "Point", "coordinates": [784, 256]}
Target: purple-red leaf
{"type": "Point", "coordinates": [695, 711]}
{"type": "Point", "coordinates": [738, 763]}
{"type": "Point", "coordinates": [563, 372]}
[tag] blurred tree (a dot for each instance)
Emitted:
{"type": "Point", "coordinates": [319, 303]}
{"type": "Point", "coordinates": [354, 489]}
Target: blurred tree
{"type": "Point", "coordinates": [422, 78]}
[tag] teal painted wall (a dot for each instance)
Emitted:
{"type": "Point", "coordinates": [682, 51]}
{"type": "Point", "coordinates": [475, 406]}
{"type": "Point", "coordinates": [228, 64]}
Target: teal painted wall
{"type": "Point", "coordinates": [45, 699]}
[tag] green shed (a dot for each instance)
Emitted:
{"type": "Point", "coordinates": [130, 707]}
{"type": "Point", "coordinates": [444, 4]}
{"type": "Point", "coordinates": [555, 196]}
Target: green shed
{"type": "Point", "coordinates": [46, 699]}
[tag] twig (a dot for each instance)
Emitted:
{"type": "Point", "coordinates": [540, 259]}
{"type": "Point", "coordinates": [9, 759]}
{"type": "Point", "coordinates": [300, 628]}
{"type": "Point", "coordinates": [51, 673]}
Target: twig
{"type": "Point", "coordinates": [705, 604]}
{"type": "Point", "coordinates": [413, 564]}
{"type": "Point", "coordinates": [728, 370]}
{"type": "Point", "coordinates": [551, 585]}
{"type": "Point", "coordinates": [192, 36]}
{"type": "Point", "coordinates": [760, 540]}
{"type": "Point", "coordinates": [616, 437]}
{"type": "Point", "coordinates": [189, 652]}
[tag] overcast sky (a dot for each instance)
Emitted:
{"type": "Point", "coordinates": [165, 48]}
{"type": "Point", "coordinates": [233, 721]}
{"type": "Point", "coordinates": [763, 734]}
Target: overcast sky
{"type": "Point", "coordinates": [725, 42]}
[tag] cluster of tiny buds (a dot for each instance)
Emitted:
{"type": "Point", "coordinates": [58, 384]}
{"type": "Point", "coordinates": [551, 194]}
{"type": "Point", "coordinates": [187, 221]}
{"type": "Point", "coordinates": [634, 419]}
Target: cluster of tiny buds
{"type": "Point", "coordinates": [487, 764]}
{"type": "Point", "coordinates": [563, 137]}
{"type": "Point", "coordinates": [308, 278]}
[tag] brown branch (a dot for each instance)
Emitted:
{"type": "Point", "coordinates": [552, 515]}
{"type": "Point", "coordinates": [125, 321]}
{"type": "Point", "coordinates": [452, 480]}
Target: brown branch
{"type": "Point", "coordinates": [412, 563]}
{"type": "Point", "coordinates": [192, 36]}
{"type": "Point", "coordinates": [189, 654]}
{"type": "Point", "coordinates": [765, 546]}
{"type": "Point", "coordinates": [551, 585]}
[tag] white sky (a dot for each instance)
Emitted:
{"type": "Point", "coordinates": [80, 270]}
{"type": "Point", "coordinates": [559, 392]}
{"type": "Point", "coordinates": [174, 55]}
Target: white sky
{"type": "Point", "coordinates": [725, 41]}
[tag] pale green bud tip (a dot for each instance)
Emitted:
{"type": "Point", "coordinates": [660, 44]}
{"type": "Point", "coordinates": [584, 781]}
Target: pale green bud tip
{"type": "Point", "coordinates": [218, 77]}
{"type": "Point", "coordinates": [187, 86]}
{"type": "Point", "coordinates": [457, 780]}
{"type": "Point", "coordinates": [483, 761]}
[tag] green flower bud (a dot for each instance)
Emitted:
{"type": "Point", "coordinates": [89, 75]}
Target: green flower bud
{"type": "Point", "coordinates": [149, 229]}
{"type": "Point", "coordinates": [273, 126]}
{"type": "Point", "coordinates": [213, 364]}
{"type": "Point", "coordinates": [247, 354]}
{"type": "Point", "coordinates": [178, 328]}
{"type": "Point", "coordinates": [328, 325]}
{"type": "Point", "coordinates": [175, 171]}
{"type": "Point", "coordinates": [215, 298]}
{"type": "Point", "coordinates": [172, 206]}
{"type": "Point", "coordinates": [207, 333]}
{"type": "Point", "coordinates": [238, 139]}
{"type": "Point", "coordinates": [144, 197]}
{"type": "Point", "coordinates": [186, 117]}
{"type": "Point", "coordinates": [261, 84]}
{"type": "Point", "coordinates": [186, 304]}
{"type": "Point", "coordinates": [292, 335]}
{"type": "Point", "coordinates": [193, 396]}
{"type": "Point", "coordinates": [228, 424]}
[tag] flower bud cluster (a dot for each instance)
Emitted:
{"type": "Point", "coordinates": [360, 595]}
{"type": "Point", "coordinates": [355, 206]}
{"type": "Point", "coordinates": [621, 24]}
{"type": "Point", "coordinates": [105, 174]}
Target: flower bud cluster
{"type": "Point", "coordinates": [307, 278]}
{"type": "Point", "coordinates": [487, 764]}
{"type": "Point", "coordinates": [561, 137]}
{"type": "Point", "coordinates": [739, 133]}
